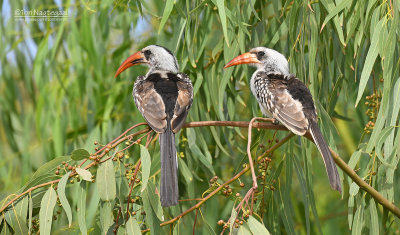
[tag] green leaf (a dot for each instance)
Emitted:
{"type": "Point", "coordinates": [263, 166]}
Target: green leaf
{"type": "Point", "coordinates": [355, 157]}
{"type": "Point", "coordinates": [46, 211]}
{"type": "Point", "coordinates": [304, 189]}
{"type": "Point", "coordinates": [16, 222]}
{"type": "Point", "coordinates": [350, 211]}
{"type": "Point", "coordinates": [374, 226]}
{"type": "Point", "coordinates": [329, 5]}
{"type": "Point", "coordinates": [354, 188]}
{"type": "Point", "coordinates": [105, 181]}
{"type": "Point", "coordinates": [167, 11]}
{"type": "Point", "coordinates": [198, 83]}
{"type": "Point", "coordinates": [358, 223]}
{"type": "Point", "coordinates": [222, 16]}
{"type": "Point", "coordinates": [155, 201]}
{"type": "Point", "coordinates": [81, 207]}
{"type": "Point", "coordinates": [244, 230]}
{"type": "Point", "coordinates": [45, 173]}
{"type": "Point", "coordinates": [21, 208]}
{"type": "Point", "coordinates": [63, 198]}
{"type": "Point", "coordinates": [339, 7]}
{"type": "Point", "coordinates": [85, 174]}
{"type": "Point", "coordinates": [146, 165]}
{"type": "Point", "coordinates": [106, 217]}
{"type": "Point", "coordinates": [256, 227]}
{"type": "Point", "coordinates": [232, 219]}
{"type": "Point", "coordinates": [132, 226]}
{"type": "Point", "coordinates": [79, 154]}
{"type": "Point", "coordinates": [370, 60]}
{"type": "Point", "coordinates": [381, 139]}
{"type": "Point", "coordinates": [151, 218]}
{"type": "Point", "coordinates": [30, 212]}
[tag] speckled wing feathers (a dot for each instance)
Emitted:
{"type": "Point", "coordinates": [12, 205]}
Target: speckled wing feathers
{"type": "Point", "coordinates": [272, 93]}
{"type": "Point", "coordinates": [183, 102]}
{"type": "Point", "coordinates": [150, 104]}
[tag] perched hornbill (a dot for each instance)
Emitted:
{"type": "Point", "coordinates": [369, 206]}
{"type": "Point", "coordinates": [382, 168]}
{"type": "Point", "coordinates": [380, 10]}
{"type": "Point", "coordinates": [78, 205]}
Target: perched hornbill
{"type": "Point", "coordinates": [285, 98]}
{"type": "Point", "coordinates": [163, 96]}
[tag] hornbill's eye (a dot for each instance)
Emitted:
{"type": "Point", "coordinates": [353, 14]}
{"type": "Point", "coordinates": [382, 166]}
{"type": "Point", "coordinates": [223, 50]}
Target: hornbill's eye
{"type": "Point", "coordinates": [260, 54]}
{"type": "Point", "coordinates": [147, 53]}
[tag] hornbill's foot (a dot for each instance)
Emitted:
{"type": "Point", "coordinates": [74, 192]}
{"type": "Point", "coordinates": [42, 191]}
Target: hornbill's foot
{"type": "Point", "coordinates": [275, 121]}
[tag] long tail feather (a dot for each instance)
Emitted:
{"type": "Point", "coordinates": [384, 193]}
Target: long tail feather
{"type": "Point", "coordinates": [323, 148]}
{"type": "Point", "coordinates": [169, 169]}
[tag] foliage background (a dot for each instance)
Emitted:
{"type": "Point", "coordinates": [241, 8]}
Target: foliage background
{"type": "Point", "coordinates": [58, 94]}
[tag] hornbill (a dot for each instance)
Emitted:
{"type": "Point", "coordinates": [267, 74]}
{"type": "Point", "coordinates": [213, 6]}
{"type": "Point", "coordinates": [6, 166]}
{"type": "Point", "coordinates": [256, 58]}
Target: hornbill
{"type": "Point", "coordinates": [285, 98]}
{"type": "Point", "coordinates": [163, 96]}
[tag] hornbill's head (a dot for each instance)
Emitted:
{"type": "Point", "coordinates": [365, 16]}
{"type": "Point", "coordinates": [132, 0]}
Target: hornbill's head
{"type": "Point", "coordinates": [263, 58]}
{"type": "Point", "coordinates": [154, 56]}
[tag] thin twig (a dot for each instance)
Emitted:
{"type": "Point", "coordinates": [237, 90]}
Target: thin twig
{"type": "Point", "coordinates": [195, 218]}
{"type": "Point", "coordinates": [253, 174]}
{"type": "Point", "coordinates": [132, 184]}
{"type": "Point", "coordinates": [124, 133]}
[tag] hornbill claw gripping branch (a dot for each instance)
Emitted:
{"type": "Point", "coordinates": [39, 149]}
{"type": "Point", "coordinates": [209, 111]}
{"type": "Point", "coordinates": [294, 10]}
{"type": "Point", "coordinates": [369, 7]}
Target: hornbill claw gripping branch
{"type": "Point", "coordinates": [163, 96]}
{"type": "Point", "coordinates": [283, 96]}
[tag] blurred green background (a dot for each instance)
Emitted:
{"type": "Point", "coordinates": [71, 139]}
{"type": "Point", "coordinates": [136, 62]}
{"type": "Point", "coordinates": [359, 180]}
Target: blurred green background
{"type": "Point", "coordinates": [57, 88]}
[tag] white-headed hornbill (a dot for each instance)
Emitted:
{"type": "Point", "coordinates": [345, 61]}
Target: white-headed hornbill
{"type": "Point", "coordinates": [285, 98]}
{"type": "Point", "coordinates": [163, 96]}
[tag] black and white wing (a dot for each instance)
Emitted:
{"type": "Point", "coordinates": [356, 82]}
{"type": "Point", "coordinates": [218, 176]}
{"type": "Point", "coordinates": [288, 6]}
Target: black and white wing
{"type": "Point", "coordinates": [183, 101]}
{"type": "Point", "coordinates": [273, 95]}
{"type": "Point", "coordinates": [150, 104]}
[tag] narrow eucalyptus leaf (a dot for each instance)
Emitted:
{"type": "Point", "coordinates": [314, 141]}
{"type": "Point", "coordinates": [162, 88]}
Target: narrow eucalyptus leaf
{"type": "Point", "coordinates": [81, 207]}
{"type": "Point", "coordinates": [46, 211]}
{"type": "Point", "coordinates": [167, 11]}
{"type": "Point", "coordinates": [21, 208]}
{"type": "Point", "coordinates": [155, 201]}
{"type": "Point", "coordinates": [106, 217]}
{"type": "Point", "coordinates": [222, 16]}
{"type": "Point", "coordinates": [369, 60]}
{"type": "Point", "coordinates": [16, 222]}
{"type": "Point", "coordinates": [63, 199]}
{"type": "Point", "coordinates": [232, 219]}
{"type": "Point", "coordinates": [105, 181]}
{"type": "Point", "coordinates": [132, 226]}
{"type": "Point", "coordinates": [374, 226]}
{"type": "Point", "coordinates": [146, 166]}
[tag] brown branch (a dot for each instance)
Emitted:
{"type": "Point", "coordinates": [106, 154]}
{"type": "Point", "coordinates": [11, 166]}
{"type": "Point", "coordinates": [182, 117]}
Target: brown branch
{"type": "Point", "coordinates": [27, 191]}
{"type": "Point", "coordinates": [350, 172]}
{"type": "Point", "coordinates": [241, 124]}
{"type": "Point", "coordinates": [364, 185]}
